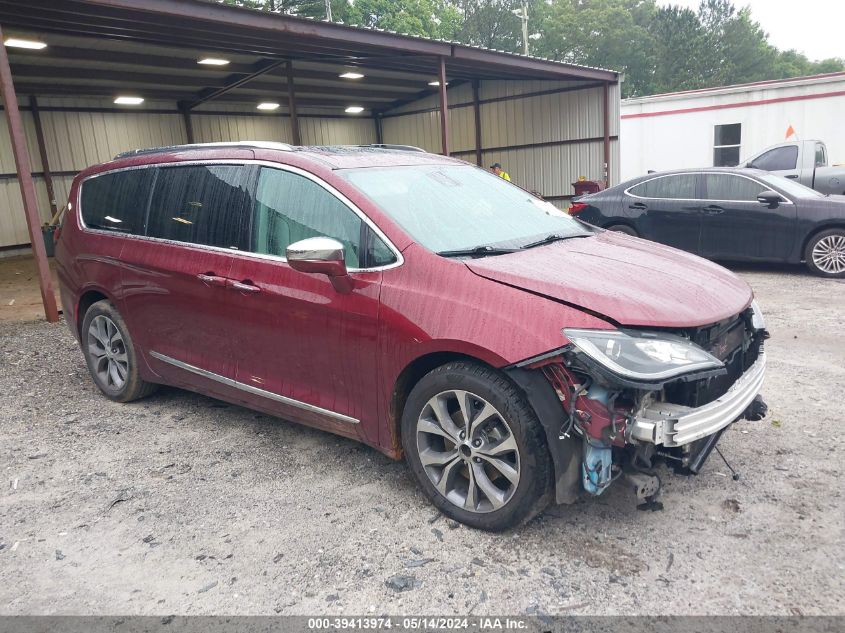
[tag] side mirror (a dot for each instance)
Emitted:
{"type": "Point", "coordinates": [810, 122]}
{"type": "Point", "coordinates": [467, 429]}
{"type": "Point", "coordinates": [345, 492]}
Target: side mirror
{"type": "Point", "coordinates": [769, 198]}
{"type": "Point", "coordinates": [321, 255]}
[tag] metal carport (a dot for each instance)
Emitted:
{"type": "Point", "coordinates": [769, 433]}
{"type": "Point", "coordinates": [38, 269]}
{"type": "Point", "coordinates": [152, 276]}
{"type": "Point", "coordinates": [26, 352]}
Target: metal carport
{"type": "Point", "coordinates": [547, 122]}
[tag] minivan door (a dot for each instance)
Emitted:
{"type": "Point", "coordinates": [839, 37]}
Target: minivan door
{"type": "Point", "coordinates": [734, 225]}
{"type": "Point", "coordinates": [304, 350]}
{"type": "Point", "coordinates": [176, 280]}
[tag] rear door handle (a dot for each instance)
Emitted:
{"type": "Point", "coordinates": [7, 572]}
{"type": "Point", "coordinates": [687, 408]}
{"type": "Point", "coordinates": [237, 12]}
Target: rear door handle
{"type": "Point", "coordinates": [212, 280]}
{"type": "Point", "coordinates": [713, 210]}
{"type": "Point", "coordinates": [243, 286]}
{"type": "Point", "coordinates": [638, 206]}
{"type": "Point", "coordinates": [793, 176]}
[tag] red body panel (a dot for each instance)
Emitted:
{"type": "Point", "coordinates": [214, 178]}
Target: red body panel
{"type": "Point", "coordinates": [342, 352]}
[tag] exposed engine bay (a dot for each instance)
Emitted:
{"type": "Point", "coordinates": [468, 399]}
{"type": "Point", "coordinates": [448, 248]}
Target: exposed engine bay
{"type": "Point", "coordinates": [626, 408]}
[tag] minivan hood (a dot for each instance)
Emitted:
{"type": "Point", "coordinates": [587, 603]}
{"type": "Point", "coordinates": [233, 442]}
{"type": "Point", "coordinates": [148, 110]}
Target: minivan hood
{"type": "Point", "coordinates": [625, 279]}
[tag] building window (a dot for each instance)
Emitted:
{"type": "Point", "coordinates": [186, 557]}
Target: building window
{"type": "Point", "coordinates": [726, 142]}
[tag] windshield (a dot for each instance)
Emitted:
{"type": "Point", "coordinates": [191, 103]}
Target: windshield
{"type": "Point", "coordinates": [457, 207]}
{"type": "Point", "coordinates": [790, 187]}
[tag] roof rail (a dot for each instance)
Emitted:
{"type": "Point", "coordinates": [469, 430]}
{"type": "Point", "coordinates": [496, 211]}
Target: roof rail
{"type": "Point", "coordinates": [171, 148]}
{"type": "Point", "coordinates": [403, 148]}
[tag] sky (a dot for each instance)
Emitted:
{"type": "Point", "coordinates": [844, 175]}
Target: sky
{"type": "Point", "coordinates": [812, 27]}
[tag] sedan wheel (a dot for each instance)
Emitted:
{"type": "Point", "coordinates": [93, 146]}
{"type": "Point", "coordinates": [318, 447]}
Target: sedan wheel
{"type": "Point", "coordinates": [468, 451]}
{"type": "Point", "coordinates": [825, 253]}
{"type": "Point", "coordinates": [829, 254]}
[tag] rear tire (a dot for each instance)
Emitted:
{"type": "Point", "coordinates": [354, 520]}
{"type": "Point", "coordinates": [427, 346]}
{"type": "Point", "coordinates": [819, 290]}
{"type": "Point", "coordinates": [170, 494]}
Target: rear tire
{"type": "Point", "coordinates": [825, 254]}
{"type": "Point", "coordinates": [110, 354]}
{"type": "Point", "coordinates": [476, 447]}
{"type": "Point", "coordinates": [623, 228]}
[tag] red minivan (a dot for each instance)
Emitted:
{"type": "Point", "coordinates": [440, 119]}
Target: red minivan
{"type": "Point", "coordinates": [512, 354]}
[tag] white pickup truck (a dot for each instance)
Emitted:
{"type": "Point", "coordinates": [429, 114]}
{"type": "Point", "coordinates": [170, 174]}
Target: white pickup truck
{"type": "Point", "coordinates": [804, 161]}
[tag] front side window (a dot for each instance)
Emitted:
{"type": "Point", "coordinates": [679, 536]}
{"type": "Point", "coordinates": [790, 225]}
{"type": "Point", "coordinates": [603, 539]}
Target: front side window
{"type": "Point", "coordinates": [726, 143]}
{"type": "Point", "coordinates": [117, 201]}
{"type": "Point", "coordinates": [202, 204]}
{"type": "Point", "coordinates": [777, 159]}
{"type": "Point", "coordinates": [729, 187]}
{"type": "Point", "coordinates": [456, 207]}
{"type": "Point", "coordinates": [679, 186]}
{"type": "Point", "coordinates": [290, 208]}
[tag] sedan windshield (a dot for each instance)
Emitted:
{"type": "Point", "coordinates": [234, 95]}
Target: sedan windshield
{"type": "Point", "coordinates": [454, 208]}
{"type": "Point", "coordinates": [790, 187]}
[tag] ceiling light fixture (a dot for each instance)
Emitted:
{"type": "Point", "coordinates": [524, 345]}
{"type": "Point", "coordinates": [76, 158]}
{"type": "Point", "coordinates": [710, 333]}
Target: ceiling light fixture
{"type": "Point", "coordinates": [436, 83]}
{"type": "Point", "coordinates": [15, 42]}
{"type": "Point", "coordinates": [351, 75]}
{"type": "Point", "coordinates": [267, 105]}
{"type": "Point", "coordinates": [213, 61]}
{"type": "Point", "coordinates": [354, 110]}
{"type": "Point", "coordinates": [129, 100]}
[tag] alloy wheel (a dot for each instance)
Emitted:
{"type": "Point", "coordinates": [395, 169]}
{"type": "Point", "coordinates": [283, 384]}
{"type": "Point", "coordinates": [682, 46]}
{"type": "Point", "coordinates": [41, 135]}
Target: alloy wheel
{"type": "Point", "coordinates": [468, 451]}
{"type": "Point", "coordinates": [108, 353]}
{"type": "Point", "coordinates": [829, 254]}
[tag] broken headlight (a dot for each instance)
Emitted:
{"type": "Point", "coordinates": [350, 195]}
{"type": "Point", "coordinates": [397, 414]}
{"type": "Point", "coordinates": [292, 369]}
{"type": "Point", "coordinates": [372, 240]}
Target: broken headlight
{"type": "Point", "coordinates": [642, 356]}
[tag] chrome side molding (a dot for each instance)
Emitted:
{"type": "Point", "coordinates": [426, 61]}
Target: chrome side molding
{"type": "Point", "coordinates": [253, 390]}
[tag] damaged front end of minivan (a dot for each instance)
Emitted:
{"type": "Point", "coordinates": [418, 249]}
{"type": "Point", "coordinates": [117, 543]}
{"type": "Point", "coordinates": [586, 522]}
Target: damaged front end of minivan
{"type": "Point", "coordinates": [615, 403]}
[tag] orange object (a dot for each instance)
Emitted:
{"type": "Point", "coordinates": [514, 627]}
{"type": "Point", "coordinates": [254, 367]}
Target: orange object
{"type": "Point", "coordinates": [790, 131]}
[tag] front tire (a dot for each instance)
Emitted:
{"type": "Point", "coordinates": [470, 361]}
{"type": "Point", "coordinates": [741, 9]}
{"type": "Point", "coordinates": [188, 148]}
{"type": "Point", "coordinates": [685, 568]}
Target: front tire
{"type": "Point", "coordinates": [825, 254]}
{"type": "Point", "coordinates": [476, 447]}
{"type": "Point", "coordinates": [110, 354]}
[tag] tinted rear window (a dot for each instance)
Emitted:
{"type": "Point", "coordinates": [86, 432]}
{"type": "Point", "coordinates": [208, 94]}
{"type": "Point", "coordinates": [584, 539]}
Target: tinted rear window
{"type": "Point", "coordinates": [117, 201]}
{"type": "Point", "coordinates": [202, 204]}
{"type": "Point", "coordinates": [680, 186]}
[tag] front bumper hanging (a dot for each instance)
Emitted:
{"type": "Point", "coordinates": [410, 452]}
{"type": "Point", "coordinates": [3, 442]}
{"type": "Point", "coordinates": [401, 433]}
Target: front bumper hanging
{"type": "Point", "coordinates": [668, 424]}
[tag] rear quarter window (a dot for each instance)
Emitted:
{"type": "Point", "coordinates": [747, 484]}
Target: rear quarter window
{"type": "Point", "coordinates": [116, 201]}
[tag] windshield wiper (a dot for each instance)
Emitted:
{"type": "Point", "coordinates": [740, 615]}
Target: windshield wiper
{"type": "Point", "coordinates": [554, 237]}
{"type": "Point", "coordinates": [477, 251]}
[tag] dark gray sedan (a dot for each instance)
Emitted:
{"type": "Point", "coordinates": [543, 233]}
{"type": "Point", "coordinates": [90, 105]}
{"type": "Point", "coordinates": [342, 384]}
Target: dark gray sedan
{"type": "Point", "coordinates": [727, 214]}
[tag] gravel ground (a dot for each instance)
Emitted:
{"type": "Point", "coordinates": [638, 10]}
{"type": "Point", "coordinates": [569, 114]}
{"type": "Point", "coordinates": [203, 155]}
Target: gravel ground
{"type": "Point", "coordinates": [182, 504]}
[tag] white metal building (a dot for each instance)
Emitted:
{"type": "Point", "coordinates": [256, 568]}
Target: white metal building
{"type": "Point", "coordinates": [721, 126]}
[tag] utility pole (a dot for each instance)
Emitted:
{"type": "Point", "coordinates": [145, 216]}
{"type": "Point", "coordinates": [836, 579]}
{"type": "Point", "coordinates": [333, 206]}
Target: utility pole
{"type": "Point", "coordinates": [523, 15]}
{"type": "Point", "coordinates": [328, 10]}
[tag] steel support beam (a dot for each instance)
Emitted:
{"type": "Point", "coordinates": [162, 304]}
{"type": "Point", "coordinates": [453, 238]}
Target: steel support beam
{"type": "Point", "coordinates": [186, 119]}
{"type": "Point", "coordinates": [476, 108]}
{"type": "Point", "coordinates": [24, 167]}
{"type": "Point", "coordinates": [606, 108]}
{"type": "Point", "coordinates": [294, 121]}
{"type": "Point", "coordinates": [234, 81]}
{"type": "Point", "coordinates": [42, 151]}
{"type": "Point", "coordinates": [444, 108]}
{"type": "Point", "coordinates": [379, 125]}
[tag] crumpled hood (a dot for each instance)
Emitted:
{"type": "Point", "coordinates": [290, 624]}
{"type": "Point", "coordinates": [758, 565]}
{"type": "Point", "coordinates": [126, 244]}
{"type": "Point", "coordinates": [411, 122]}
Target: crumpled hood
{"type": "Point", "coordinates": [628, 280]}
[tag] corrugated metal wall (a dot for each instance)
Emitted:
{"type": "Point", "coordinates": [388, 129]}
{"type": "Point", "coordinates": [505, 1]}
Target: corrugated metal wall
{"type": "Point", "coordinates": [75, 140]}
{"type": "Point", "coordinates": [555, 120]}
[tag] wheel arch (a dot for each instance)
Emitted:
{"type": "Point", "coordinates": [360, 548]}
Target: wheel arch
{"type": "Point", "coordinates": [830, 224]}
{"type": "Point", "coordinates": [621, 222]}
{"type": "Point", "coordinates": [87, 298]}
{"type": "Point", "coordinates": [410, 375]}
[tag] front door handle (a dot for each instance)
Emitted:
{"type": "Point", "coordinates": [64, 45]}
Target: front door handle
{"type": "Point", "coordinates": [212, 280]}
{"type": "Point", "coordinates": [793, 176]}
{"type": "Point", "coordinates": [244, 286]}
{"type": "Point", "coordinates": [639, 206]}
{"type": "Point", "coordinates": [713, 210]}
